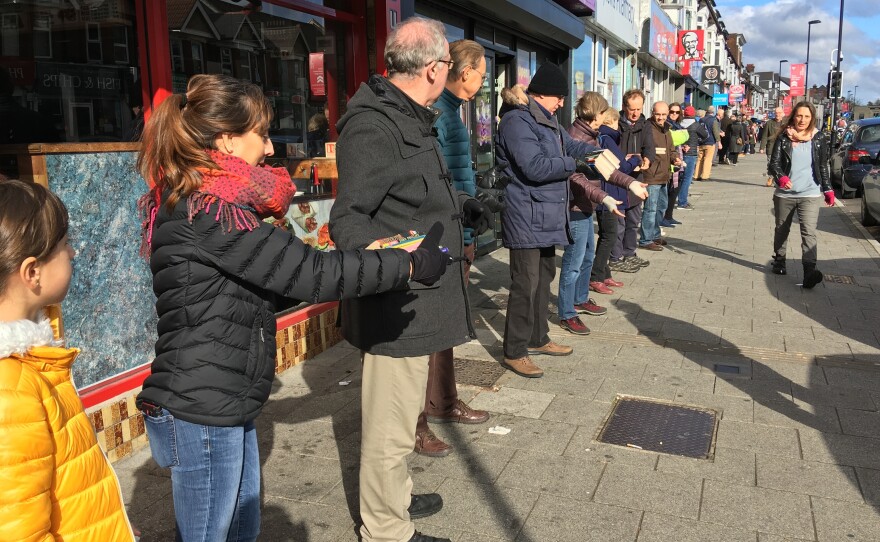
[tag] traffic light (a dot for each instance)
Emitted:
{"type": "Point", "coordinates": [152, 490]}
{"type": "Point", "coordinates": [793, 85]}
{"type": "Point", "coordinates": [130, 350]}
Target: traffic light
{"type": "Point", "coordinates": [835, 83]}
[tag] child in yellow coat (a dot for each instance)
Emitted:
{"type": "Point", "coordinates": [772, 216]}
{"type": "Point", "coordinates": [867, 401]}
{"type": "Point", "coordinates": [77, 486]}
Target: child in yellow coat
{"type": "Point", "coordinates": [55, 482]}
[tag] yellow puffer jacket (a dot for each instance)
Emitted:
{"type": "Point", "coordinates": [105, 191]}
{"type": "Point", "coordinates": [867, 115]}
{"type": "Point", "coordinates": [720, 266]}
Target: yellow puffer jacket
{"type": "Point", "coordinates": [55, 482]}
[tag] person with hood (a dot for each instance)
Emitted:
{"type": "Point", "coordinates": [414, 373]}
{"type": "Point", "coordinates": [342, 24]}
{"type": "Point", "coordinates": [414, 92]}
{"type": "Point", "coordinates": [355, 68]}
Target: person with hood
{"type": "Point", "coordinates": [540, 157]}
{"type": "Point", "coordinates": [392, 179]}
{"type": "Point", "coordinates": [635, 140]}
{"type": "Point", "coordinates": [706, 152]}
{"type": "Point", "coordinates": [727, 119]}
{"type": "Point", "coordinates": [656, 176]}
{"type": "Point", "coordinates": [799, 165]}
{"type": "Point", "coordinates": [737, 137]}
{"type": "Point", "coordinates": [466, 77]}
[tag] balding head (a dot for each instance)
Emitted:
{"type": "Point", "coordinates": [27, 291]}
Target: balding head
{"type": "Point", "coordinates": [660, 112]}
{"type": "Point", "coordinates": [779, 113]}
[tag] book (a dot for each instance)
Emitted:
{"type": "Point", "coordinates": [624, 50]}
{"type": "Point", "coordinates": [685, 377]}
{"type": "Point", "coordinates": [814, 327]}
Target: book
{"type": "Point", "coordinates": [408, 242]}
{"type": "Point", "coordinates": [603, 162]}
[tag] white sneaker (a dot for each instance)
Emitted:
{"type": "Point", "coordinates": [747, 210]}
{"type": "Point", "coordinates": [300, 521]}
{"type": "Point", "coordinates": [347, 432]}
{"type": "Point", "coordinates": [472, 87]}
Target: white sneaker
{"type": "Point", "coordinates": [662, 232]}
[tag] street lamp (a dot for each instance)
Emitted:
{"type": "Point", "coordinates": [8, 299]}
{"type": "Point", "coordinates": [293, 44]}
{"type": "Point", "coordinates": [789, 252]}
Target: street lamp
{"type": "Point", "coordinates": [807, 68]}
{"type": "Point", "coordinates": [779, 84]}
{"type": "Point", "coordinates": [854, 93]}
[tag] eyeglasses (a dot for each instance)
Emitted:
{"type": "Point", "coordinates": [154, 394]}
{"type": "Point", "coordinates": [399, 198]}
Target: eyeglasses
{"type": "Point", "coordinates": [674, 111]}
{"type": "Point", "coordinates": [483, 76]}
{"type": "Point", "coordinates": [449, 63]}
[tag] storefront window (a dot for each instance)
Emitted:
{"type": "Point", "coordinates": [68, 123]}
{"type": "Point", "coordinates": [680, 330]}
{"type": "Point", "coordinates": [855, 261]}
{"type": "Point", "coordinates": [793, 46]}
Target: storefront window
{"type": "Point", "coordinates": [582, 68]}
{"type": "Point", "coordinates": [294, 57]}
{"type": "Point", "coordinates": [69, 72]}
{"type": "Point", "coordinates": [615, 76]}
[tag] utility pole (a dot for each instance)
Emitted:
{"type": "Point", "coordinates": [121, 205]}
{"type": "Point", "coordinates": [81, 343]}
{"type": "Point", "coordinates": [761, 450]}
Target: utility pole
{"type": "Point", "coordinates": [837, 68]}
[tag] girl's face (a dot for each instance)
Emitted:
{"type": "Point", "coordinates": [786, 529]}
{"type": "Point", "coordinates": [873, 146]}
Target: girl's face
{"type": "Point", "coordinates": [252, 147]}
{"type": "Point", "coordinates": [802, 119]}
{"type": "Point", "coordinates": [55, 273]}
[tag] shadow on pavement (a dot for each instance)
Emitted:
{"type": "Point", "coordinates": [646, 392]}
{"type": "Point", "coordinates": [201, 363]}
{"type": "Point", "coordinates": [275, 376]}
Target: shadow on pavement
{"type": "Point", "coordinates": [780, 395]}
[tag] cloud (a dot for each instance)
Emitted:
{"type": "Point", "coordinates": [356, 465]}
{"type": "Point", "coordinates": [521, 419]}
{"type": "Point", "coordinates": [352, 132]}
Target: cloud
{"type": "Point", "coordinates": [778, 30]}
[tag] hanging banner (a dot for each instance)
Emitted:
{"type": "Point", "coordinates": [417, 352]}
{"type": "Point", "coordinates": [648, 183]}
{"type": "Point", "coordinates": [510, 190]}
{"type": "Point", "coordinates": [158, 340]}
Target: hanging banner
{"type": "Point", "coordinates": [719, 99]}
{"type": "Point", "coordinates": [797, 79]}
{"type": "Point", "coordinates": [786, 105]}
{"type": "Point", "coordinates": [711, 75]}
{"type": "Point", "coordinates": [316, 74]}
{"type": "Point", "coordinates": [690, 45]}
{"type": "Point", "coordinates": [662, 35]}
{"type": "Point", "coordinates": [737, 92]}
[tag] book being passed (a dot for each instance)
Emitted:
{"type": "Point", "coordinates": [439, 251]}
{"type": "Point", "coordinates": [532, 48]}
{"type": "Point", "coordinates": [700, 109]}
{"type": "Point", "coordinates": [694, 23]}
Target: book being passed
{"type": "Point", "coordinates": [602, 162]}
{"type": "Point", "coordinates": [408, 243]}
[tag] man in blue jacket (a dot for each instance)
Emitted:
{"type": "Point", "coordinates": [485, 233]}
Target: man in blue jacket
{"type": "Point", "coordinates": [540, 156]}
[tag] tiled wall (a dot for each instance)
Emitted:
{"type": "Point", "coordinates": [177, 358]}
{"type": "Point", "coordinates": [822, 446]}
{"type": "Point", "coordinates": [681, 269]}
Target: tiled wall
{"type": "Point", "coordinates": [120, 425]}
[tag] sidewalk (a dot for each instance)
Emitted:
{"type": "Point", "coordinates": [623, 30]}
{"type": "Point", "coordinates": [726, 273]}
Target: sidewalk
{"type": "Point", "coordinates": [797, 453]}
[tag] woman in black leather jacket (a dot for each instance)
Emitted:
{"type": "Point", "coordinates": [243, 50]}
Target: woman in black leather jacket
{"type": "Point", "coordinates": [799, 166]}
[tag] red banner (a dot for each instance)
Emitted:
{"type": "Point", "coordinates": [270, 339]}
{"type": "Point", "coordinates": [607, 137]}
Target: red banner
{"type": "Point", "coordinates": [316, 74]}
{"type": "Point", "coordinates": [786, 105]}
{"type": "Point", "coordinates": [797, 79]}
{"type": "Point", "coordinates": [690, 45]}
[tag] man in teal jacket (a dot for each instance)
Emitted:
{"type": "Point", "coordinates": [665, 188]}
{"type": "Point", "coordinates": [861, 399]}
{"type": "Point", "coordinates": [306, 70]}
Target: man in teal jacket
{"type": "Point", "coordinates": [465, 79]}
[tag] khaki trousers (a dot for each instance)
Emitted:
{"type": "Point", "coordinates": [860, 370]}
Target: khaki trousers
{"type": "Point", "coordinates": [705, 154]}
{"type": "Point", "coordinates": [392, 396]}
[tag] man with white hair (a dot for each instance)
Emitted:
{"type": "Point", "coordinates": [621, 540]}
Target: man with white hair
{"type": "Point", "coordinates": [392, 179]}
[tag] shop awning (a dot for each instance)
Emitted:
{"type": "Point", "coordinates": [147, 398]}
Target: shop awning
{"type": "Point", "coordinates": [543, 18]}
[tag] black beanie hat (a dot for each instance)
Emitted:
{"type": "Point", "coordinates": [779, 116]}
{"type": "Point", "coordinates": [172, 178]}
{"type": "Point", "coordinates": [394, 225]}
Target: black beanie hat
{"type": "Point", "coordinates": [549, 81]}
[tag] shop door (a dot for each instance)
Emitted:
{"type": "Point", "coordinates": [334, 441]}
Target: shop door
{"type": "Point", "coordinates": [487, 102]}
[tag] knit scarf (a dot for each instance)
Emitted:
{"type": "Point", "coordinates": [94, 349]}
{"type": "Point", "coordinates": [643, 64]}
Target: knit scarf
{"type": "Point", "coordinates": [237, 194]}
{"type": "Point", "coordinates": [799, 137]}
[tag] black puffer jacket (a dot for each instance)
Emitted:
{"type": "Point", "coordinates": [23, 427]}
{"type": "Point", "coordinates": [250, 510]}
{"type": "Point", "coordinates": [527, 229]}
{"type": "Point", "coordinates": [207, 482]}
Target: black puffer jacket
{"type": "Point", "coordinates": [215, 356]}
{"type": "Point", "coordinates": [780, 160]}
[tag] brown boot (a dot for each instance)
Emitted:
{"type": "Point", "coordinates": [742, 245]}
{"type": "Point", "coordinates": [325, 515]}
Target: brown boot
{"type": "Point", "coordinates": [428, 444]}
{"type": "Point", "coordinates": [523, 366]}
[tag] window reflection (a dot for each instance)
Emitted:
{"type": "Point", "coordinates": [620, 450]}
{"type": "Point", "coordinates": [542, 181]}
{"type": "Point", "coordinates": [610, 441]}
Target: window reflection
{"type": "Point", "coordinates": [293, 56]}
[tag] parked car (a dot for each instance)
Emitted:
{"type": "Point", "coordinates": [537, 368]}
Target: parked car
{"type": "Point", "coordinates": [871, 191]}
{"type": "Point", "coordinates": [861, 139]}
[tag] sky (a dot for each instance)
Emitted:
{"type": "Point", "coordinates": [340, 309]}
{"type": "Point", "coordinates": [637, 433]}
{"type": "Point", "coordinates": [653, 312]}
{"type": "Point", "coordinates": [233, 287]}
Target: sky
{"type": "Point", "coordinates": [777, 29]}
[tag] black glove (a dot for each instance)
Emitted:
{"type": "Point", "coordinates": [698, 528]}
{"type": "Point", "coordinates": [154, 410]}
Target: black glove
{"type": "Point", "coordinates": [493, 178]}
{"type": "Point", "coordinates": [585, 167]}
{"type": "Point", "coordinates": [491, 198]}
{"type": "Point", "coordinates": [476, 215]}
{"type": "Point", "coordinates": [429, 262]}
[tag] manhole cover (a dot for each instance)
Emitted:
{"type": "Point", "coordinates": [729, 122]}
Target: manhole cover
{"type": "Point", "coordinates": [730, 369]}
{"type": "Point", "coordinates": [660, 427]}
{"type": "Point", "coordinates": [477, 372]}
{"type": "Point", "coordinates": [840, 279]}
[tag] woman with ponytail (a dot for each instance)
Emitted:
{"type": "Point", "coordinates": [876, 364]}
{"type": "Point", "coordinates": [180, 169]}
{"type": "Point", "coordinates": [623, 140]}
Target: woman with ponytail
{"type": "Point", "coordinates": [218, 270]}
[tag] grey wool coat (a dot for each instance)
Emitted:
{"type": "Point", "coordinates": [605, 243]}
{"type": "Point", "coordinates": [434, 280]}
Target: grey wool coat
{"type": "Point", "coordinates": [393, 179]}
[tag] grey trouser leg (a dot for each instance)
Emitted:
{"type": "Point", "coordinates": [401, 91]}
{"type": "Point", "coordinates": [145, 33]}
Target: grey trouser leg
{"type": "Point", "coordinates": [807, 210]}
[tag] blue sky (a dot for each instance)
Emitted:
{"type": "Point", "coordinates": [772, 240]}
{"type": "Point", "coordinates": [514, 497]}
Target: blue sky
{"type": "Point", "coordinates": [777, 29]}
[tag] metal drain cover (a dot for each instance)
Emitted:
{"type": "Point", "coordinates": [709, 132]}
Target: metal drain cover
{"type": "Point", "coordinates": [840, 279]}
{"type": "Point", "coordinates": [660, 427]}
{"type": "Point", "coordinates": [477, 372]}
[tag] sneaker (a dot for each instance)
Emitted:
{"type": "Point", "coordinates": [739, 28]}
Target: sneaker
{"type": "Point", "coordinates": [590, 307]}
{"type": "Point", "coordinates": [778, 266]}
{"type": "Point", "coordinates": [686, 207]}
{"type": "Point", "coordinates": [574, 325]}
{"type": "Point", "coordinates": [674, 222]}
{"type": "Point", "coordinates": [622, 266]}
{"type": "Point", "coordinates": [551, 349]}
{"type": "Point", "coordinates": [601, 288]}
{"type": "Point", "coordinates": [523, 366]}
{"type": "Point", "coordinates": [637, 261]}
{"type": "Point", "coordinates": [667, 223]}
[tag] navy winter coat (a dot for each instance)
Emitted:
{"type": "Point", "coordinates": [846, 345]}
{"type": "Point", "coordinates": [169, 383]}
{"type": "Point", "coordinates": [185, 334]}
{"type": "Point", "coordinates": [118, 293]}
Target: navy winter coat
{"type": "Point", "coordinates": [538, 155]}
{"type": "Point", "coordinates": [455, 141]}
{"type": "Point", "coordinates": [709, 121]}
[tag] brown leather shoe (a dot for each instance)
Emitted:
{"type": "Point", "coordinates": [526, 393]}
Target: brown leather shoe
{"type": "Point", "coordinates": [461, 413]}
{"type": "Point", "coordinates": [428, 444]}
{"type": "Point", "coordinates": [652, 247]}
{"type": "Point", "coordinates": [551, 349]}
{"type": "Point", "coordinates": [523, 366]}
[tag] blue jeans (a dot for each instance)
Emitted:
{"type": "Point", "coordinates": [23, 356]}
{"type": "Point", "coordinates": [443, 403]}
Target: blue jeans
{"type": "Point", "coordinates": [577, 265]}
{"type": "Point", "coordinates": [215, 477]}
{"type": "Point", "coordinates": [690, 165]}
{"type": "Point", "coordinates": [651, 215]}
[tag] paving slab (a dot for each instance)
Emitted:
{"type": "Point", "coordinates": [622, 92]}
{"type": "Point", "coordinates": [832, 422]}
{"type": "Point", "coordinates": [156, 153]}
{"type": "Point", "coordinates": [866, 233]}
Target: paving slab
{"type": "Point", "coordinates": [841, 520]}
{"type": "Point", "coordinates": [840, 449]}
{"type": "Point", "coordinates": [738, 409]}
{"type": "Point", "coordinates": [562, 520]}
{"type": "Point", "coordinates": [669, 494]}
{"type": "Point", "coordinates": [663, 528]}
{"type": "Point", "coordinates": [728, 465]}
{"type": "Point", "coordinates": [563, 476]}
{"type": "Point", "coordinates": [517, 402]}
{"type": "Point", "coordinates": [757, 438]}
{"type": "Point", "coordinates": [529, 434]}
{"type": "Point", "coordinates": [869, 481]}
{"type": "Point", "coordinates": [759, 509]}
{"type": "Point", "coordinates": [797, 414]}
{"type": "Point", "coordinates": [808, 478]}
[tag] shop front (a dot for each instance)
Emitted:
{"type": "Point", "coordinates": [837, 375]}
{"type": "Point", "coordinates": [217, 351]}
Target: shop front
{"type": "Point", "coordinates": [657, 57]}
{"type": "Point", "coordinates": [77, 80]}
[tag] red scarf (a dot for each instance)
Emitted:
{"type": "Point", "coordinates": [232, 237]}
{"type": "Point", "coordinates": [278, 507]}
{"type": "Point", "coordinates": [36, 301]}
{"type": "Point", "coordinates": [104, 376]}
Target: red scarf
{"type": "Point", "coordinates": [243, 194]}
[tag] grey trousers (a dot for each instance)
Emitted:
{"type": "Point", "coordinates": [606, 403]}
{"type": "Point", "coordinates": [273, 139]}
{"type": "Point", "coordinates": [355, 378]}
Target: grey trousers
{"type": "Point", "coordinates": [808, 215]}
{"type": "Point", "coordinates": [627, 233]}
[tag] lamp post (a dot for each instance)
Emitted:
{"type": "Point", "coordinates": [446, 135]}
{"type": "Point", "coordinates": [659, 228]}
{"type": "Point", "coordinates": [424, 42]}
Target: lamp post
{"type": "Point", "coordinates": [854, 93]}
{"type": "Point", "coordinates": [807, 68]}
{"type": "Point", "coordinates": [837, 68]}
{"type": "Point", "coordinates": [779, 84]}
